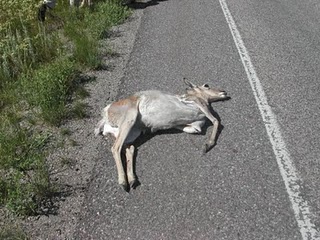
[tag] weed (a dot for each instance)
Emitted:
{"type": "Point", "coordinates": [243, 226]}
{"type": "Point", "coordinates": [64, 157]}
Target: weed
{"type": "Point", "coordinates": [65, 132]}
{"type": "Point", "coordinates": [3, 191]}
{"type": "Point", "coordinates": [79, 110]}
{"type": "Point", "coordinates": [81, 93]}
{"type": "Point", "coordinates": [73, 143]}
{"type": "Point", "coordinates": [108, 14]}
{"type": "Point", "coordinates": [49, 89]}
{"type": "Point", "coordinates": [12, 11]}
{"type": "Point", "coordinates": [20, 147]}
{"type": "Point", "coordinates": [24, 48]}
{"type": "Point", "coordinates": [64, 161]}
{"type": "Point", "coordinates": [24, 180]}
{"type": "Point", "coordinates": [12, 232]}
{"type": "Point", "coordinates": [85, 28]}
{"type": "Point", "coordinates": [25, 192]}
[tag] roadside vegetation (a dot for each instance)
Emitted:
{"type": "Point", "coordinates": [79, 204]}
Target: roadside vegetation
{"type": "Point", "coordinates": [42, 72]}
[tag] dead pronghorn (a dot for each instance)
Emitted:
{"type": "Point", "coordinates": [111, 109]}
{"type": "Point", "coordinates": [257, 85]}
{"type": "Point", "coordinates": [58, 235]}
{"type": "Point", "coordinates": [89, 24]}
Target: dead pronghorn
{"type": "Point", "coordinates": [127, 118]}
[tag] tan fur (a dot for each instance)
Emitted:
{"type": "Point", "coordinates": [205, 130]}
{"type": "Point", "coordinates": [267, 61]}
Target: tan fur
{"type": "Point", "coordinates": [118, 108]}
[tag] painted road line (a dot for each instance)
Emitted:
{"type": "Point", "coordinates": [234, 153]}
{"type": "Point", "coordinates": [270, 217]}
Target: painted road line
{"type": "Point", "coordinates": [286, 166]}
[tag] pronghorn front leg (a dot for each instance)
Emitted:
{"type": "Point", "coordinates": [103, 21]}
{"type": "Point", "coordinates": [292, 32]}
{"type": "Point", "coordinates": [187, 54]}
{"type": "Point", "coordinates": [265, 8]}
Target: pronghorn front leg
{"type": "Point", "coordinates": [128, 122]}
{"type": "Point", "coordinates": [212, 139]}
{"type": "Point", "coordinates": [133, 182]}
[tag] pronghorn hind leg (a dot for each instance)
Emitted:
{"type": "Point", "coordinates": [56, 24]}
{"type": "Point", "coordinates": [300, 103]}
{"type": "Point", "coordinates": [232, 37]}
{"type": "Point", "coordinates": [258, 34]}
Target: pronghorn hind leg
{"type": "Point", "coordinates": [132, 178]}
{"type": "Point", "coordinates": [124, 129]}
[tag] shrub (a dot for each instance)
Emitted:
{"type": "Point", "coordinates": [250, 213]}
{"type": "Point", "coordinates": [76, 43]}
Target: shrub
{"type": "Point", "coordinates": [24, 48]}
{"type": "Point", "coordinates": [12, 232]}
{"type": "Point", "coordinates": [84, 28]}
{"type": "Point", "coordinates": [49, 88]}
{"type": "Point", "coordinates": [85, 47]}
{"type": "Point", "coordinates": [14, 10]}
{"type": "Point", "coordinates": [24, 179]}
{"type": "Point", "coordinates": [20, 147]}
{"type": "Point", "coordinates": [107, 14]}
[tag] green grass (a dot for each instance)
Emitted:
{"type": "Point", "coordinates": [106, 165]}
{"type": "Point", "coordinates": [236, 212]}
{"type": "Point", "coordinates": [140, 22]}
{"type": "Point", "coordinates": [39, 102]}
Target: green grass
{"type": "Point", "coordinates": [79, 110]}
{"type": "Point", "coordinates": [24, 48]}
{"type": "Point", "coordinates": [24, 181]}
{"type": "Point", "coordinates": [49, 89]}
{"type": "Point", "coordinates": [86, 27]}
{"type": "Point", "coordinates": [12, 232]}
{"type": "Point", "coordinates": [41, 85]}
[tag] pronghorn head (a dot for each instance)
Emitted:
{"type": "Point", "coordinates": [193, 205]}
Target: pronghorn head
{"type": "Point", "coordinates": [205, 92]}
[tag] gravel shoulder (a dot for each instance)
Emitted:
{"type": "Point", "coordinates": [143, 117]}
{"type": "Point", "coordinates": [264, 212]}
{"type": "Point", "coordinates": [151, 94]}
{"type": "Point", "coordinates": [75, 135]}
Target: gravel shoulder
{"type": "Point", "coordinates": [72, 165]}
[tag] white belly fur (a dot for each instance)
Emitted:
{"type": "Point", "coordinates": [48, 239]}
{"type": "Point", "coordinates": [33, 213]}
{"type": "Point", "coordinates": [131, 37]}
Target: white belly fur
{"type": "Point", "coordinates": [111, 130]}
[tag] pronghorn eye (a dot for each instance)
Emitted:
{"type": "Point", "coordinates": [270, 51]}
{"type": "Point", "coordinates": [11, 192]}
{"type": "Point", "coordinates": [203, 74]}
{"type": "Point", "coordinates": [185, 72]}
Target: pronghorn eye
{"type": "Point", "coordinates": [205, 85]}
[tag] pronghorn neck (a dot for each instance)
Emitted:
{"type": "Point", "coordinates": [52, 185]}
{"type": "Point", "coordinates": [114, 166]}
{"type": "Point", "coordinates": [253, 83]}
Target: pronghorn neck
{"type": "Point", "coordinates": [193, 98]}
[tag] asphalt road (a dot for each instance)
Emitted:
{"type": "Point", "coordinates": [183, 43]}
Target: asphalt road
{"type": "Point", "coordinates": [235, 191]}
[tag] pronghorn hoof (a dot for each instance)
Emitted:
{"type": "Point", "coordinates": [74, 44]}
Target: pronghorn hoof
{"type": "Point", "coordinates": [206, 148]}
{"type": "Point", "coordinates": [125, 186]}
{"type": "Point", "coordinates": [135, 183]}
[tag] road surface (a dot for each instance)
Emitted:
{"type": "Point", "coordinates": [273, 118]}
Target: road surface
{"type": "Point", "coordinates": [261, 180]}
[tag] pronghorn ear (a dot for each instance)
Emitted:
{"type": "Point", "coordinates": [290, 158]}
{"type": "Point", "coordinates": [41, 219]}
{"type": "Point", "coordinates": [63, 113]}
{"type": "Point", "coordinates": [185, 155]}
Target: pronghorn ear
{"type": "Point", "coordinates": [189, 84]}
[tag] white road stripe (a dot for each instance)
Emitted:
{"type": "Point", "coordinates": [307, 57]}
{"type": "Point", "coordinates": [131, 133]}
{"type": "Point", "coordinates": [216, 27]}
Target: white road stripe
{"type": "Point", "coordinates": [288, 171]}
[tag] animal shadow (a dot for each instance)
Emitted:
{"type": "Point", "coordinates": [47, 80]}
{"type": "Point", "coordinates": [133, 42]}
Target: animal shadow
{"type": "Point", "coordinates": [145, 137]}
